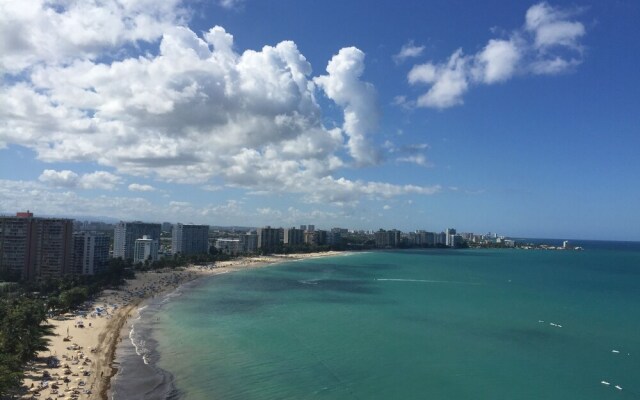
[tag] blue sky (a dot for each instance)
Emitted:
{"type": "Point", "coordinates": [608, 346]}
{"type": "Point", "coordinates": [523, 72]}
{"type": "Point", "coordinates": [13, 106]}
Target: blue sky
{"type": "Point", "coordinates": [513, 117]}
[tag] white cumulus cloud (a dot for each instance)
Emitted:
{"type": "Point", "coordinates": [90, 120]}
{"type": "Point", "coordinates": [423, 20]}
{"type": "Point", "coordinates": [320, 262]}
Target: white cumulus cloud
{"type": "Point", "coordinates": [69, 179]}
{"type": "Point", "coordinates": [408, 50]}
{"type": "Point", "coordinates": [137, 187]}
{"type": "Point", "coordinates": [63, 178]}
{"type": "Point", "coordinates": [190, 109]}
{"type": "Point", "coordinates": [448, 81]}
{"type": "Point", "coordinates": [549, 43]}
{"type": "Point", "coordinates": [51, 31]}
{"type": "Point", "coordinates": [343, 85]}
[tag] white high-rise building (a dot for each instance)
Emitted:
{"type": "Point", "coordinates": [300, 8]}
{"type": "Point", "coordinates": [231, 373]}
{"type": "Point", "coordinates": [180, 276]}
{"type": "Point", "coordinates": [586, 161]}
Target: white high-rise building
{"type": "Point", "coordinates": [145, 249]}
{"type": "Point", "coordinates": [450, 241]}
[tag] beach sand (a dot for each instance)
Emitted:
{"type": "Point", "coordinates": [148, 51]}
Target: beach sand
{"type": "Point", "coordinates": [86, 353]}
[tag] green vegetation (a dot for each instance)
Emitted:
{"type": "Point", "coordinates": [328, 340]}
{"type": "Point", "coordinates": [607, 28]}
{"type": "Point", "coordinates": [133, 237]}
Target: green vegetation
{"type": "Point", "coordinates": [22, 335]}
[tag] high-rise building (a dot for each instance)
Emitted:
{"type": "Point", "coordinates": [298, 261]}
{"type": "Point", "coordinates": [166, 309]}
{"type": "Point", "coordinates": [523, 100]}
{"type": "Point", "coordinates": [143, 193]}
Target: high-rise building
{"type": "Point", "coordinates": [387, 238]}
{"type": "Point", "coordinates": [145, 249]}
{"type": "Point", "coordinates": [33, 248]}
{"type": "Point", "coordinates": [90, 253]}
{"type": "Point", "coordinates": [268, 238]}
{"type": "Point", "coordinates": [125, 235]}
{"type": "Point", "coordinates": [190, 239]}
{"type": "Point", "coordinates": [334, 237]}
{"type": "Point", "coordinates": [293, 236]}
{"type": "Point", "coordinates": [450, 237]}
{"type": "Point", "coordinates": [166, 227]}
{"type": "Point", "coordinates": [430, 238]}
{"type": "Point", "coordinates": [456, 241]}
{"type": "Point", "coordinates": [17, 249]}
{"type": "Point", "coordinates": [53, 247]}
{"type": "Point", "coordinates": [228, 246]}
{"type": "Point", "coordinates": [441, 239]}
{"type": "Point", "coordinates": [320, 237]}
{"type": "Point", "coordinates": [249, 242]}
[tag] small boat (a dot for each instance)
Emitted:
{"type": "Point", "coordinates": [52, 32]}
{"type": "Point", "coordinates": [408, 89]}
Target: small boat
{"type": "Point", "coordinates": [618, 387]}
{"type": "Point", "coordinates": [605, 383]}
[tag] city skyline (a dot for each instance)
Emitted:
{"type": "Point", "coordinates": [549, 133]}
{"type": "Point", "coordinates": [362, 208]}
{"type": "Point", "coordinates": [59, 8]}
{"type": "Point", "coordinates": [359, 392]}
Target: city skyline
{"type": "Point", "coordinates": [516, 118]}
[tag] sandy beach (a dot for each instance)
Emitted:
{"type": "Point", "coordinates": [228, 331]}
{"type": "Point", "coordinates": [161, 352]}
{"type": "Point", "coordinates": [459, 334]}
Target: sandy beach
{"type": "Point", "coordinates": [78, 361]}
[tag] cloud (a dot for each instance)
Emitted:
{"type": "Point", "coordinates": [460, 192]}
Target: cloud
{"type": "Point", "coordinates": [191, 109]}
{"type": "Point", "coordinates": [343, 85]}
{"type": "Point", "coordinates": [39, 198]}
{"type": "Point", "coordinates": [408, 50]}
{"type": "Point", "coordinates": [231, 4]}
{"type": "Point", "coordinates": [63, 178]}
{"type": "Point", "coordinates": [413, 153]}
{"type": "Point", "coordinates": [136, 187]}
{"type": "Point", "coordinates": [448, 81]}
{"type": "Point", "coordinates": [43, 200]}
{"type": "Point", "coordinates": [71, 180]}
{"type": "Point", "coordinates": [404, 102]}
{"type": "Point", "coordinates": [232, 208]}
{"type": "Point", "coordinates": [549, 43]}
{"type": "Point", "coordinates": [211, 188]}
{"type": "Point", "coordinates": [54, 31]}
{"type": "Point", "coordinates": [99, 180]}
{"type": "Point", "coordinates": [345, 191]}
{"type": "Point", "coordinates": [497, 62]}
{"type": "Point", "coordinates": [418, 159]}
{"type": "Point", "coordinates": [551, 27]}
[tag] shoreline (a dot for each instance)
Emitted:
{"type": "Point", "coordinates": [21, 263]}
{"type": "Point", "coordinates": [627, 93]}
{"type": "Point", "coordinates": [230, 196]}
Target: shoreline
{"type": "Point", "coordinates": [87, 354]}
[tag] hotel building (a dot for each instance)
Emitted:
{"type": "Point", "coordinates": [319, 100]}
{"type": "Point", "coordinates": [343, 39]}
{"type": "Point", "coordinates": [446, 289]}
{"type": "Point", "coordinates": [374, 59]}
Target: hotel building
{"type": "Point", "coordinates": [90, 253]}
{"type": "Point", "coordinates": [126, 233]}
{"type": "Point", "coordinates": [190, 239]}
{"type": "Point", "coordinates": [33, 248]}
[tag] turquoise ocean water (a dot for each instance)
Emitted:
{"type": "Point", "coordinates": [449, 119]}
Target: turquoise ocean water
{"type": "Point", "coordinates": [415, 324]}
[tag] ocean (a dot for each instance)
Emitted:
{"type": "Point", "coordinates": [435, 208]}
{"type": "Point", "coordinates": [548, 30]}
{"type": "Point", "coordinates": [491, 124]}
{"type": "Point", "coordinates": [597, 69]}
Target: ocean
{"type": "Point", "coordinates": [406, 324]}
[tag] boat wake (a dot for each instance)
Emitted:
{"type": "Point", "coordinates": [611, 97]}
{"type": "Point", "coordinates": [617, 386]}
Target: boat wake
{"type": "Point", "coordinates": [425, 281]}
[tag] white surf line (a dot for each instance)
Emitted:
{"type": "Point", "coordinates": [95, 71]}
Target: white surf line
{"type": "Point", "coordinates": [424, 281]}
